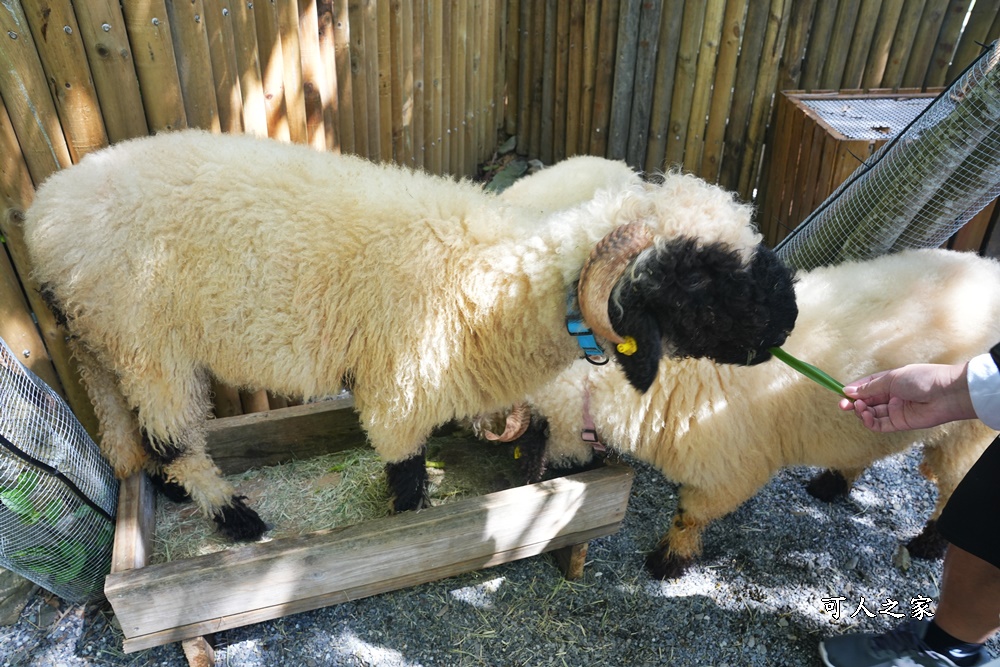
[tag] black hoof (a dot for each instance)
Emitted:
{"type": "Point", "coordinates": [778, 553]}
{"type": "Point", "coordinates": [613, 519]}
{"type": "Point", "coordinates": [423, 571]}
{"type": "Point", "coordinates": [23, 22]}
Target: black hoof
{"type": "Point", "coordinates": [408, 483]}
{"type": "Point", "coordinates": [928, 545]}
{"type": "Point", "coordinates": [172, 490]}
{"type": "Point", "coordinates": [828, 486]}
{"type": "Point", "coordinates": [238, 522]}
{"type": "Point", "coordinates": [664, 565]}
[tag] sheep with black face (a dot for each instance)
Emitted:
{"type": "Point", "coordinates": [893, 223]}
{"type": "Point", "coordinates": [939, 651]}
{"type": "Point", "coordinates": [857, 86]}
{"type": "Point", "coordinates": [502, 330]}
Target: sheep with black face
{"type": "Point", "coordinates": [188, 255]}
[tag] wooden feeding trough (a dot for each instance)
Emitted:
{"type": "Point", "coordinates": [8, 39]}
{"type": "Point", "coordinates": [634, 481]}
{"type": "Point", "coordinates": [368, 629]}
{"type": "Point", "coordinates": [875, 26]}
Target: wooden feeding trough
{"type": "Point", "coordinates": [261, 581]}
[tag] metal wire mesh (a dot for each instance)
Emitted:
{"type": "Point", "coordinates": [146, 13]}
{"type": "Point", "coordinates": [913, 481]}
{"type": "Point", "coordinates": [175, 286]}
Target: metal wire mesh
{"type": "Point", "coordinates": [917, 190]}
{"type": "Point", "coordinates": [58, 496]}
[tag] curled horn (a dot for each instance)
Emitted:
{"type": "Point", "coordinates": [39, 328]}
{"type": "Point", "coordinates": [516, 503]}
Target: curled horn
{"type": "Point", "coordinates": [603, 269]}
{"type": "Point", "coordinates": [517, 424]}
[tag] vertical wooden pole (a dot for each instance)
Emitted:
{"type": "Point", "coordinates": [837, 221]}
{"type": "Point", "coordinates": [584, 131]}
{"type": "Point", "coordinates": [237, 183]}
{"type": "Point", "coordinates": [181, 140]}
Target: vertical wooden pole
{"type": "Point", "coordinates": [148, 28]}
{"type": "Point", "coordinates": [194, 64]}
{"type": "Point", "coordinates": [222, 49]}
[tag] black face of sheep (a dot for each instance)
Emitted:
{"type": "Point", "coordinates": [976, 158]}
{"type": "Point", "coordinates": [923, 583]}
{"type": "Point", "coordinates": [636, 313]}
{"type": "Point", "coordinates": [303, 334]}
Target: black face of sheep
{"type": "Point", "coordinates": [685, 299]}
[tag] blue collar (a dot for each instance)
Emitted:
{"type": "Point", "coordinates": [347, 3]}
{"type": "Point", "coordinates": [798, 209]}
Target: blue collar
{"type": "Point", "coordinates": [577, 328]}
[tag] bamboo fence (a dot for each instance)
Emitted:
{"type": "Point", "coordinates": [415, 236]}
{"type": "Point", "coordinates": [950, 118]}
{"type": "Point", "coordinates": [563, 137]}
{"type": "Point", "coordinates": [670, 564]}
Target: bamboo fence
{"type": "Point", "coordinates": [435, 84]}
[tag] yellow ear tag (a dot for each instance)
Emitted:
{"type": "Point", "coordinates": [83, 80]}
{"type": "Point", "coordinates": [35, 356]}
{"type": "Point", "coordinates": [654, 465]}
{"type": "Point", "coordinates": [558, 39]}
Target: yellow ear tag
{"type": "Point", "coordinates": [629, 347]}
{"type": "Point", "coordinates": [517, 452]}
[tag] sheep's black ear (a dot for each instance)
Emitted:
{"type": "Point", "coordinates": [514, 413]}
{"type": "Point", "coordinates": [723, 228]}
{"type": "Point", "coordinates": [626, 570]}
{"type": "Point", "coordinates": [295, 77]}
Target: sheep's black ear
{"type": "Point", "coordinates": [640, 366]}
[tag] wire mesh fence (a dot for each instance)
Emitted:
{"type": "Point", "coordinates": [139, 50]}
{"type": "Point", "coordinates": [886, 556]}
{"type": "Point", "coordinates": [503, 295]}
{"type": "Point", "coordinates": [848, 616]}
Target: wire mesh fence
{"type": "Point", "coordinates": [58, 495]}
{"type": "Point", "coordinates": [920, 187]}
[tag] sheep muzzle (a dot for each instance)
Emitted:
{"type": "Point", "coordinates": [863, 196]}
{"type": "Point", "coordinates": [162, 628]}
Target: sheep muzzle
{"type": "Point", "coordinates": [602, 271]}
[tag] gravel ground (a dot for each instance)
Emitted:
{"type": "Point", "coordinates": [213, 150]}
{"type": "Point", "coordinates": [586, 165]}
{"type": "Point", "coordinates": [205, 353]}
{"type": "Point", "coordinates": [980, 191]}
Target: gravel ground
{"type": "Point", "coordinates": [756, 598]}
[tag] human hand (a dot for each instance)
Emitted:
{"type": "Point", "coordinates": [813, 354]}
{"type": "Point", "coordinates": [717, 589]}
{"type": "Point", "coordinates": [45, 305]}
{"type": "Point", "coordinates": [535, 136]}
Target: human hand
{"type": "Point", "coordinates": [911, 397]}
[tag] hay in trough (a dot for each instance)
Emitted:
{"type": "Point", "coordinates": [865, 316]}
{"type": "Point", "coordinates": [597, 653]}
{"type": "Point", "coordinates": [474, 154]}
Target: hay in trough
{"type": "Point", "coordinates": [337, 489]}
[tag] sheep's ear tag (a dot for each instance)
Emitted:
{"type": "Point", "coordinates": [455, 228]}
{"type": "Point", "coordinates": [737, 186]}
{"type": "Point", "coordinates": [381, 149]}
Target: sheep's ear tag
{"type": "Point", "coordinates": [592, 352]}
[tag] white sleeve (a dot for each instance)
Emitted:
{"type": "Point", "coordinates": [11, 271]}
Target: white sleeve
{"type": "Point", "coordinates": [984, 388]}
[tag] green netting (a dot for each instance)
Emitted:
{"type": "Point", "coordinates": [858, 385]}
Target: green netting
{"type": "Point", "coordinates": [58, 496]}
{"type": "Point", "coordinates": [920, 187]}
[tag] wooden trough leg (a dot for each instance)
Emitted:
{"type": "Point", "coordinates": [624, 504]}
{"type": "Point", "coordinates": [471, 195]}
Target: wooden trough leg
{"type": "Point", "coordinates": [571, 560]}
{"type": "Point", "coordinates": [199, 652]}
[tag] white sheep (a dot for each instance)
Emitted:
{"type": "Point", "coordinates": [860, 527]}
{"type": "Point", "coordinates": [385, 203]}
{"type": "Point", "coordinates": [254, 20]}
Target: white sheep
{"type": "Point", "coordinates": [721, 432]}
{"type": "Point", "coordinates": [188, 255]}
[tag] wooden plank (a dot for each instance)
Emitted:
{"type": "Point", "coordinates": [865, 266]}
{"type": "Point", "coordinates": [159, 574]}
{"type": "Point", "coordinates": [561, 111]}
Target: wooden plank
{"type": "Point", "coordinates": [111, 66]}
{"type": "Point", "coordinates": [607, 46]}
{"type": "Point", "coordinates": [401, 36]}
{"type": "Point", "coordinates": [134, 525]}
{"type": "Point", "coordinates": [591, 34]}
{"type": "Point", "coordinates": [870, 13]}
{"type": "Point", "coordinates": [536, 34]}
{"type": "Point", "coordinates": [199, 652]}
{"type": "Point", "coordinates": [275, 436]}
{"type": "Point", "coordinates": [287, 15]}
{"type": "Point", "coordinates": [225, 71]}
{"type": "Point", "coordinates": [418, 139]}
{"type": "Point", "coordinates": [456, 103]}
{"type": "Point", "coordinates": [475, 76]}
{"type": "Point", "coordinates": [329, 94]}
{"type": "Point", "coordinates": [781, 161]}
{"type": "Point", "coordinates": [369, 58]}
{"type": "Point", "coordinates": [255, 112]}
{"type": "Point", "coordinates": [343, 63]}
{"type": "Point", "coordinates": [359, 81]}
{"type": "Point", "coordinates": [840, 44]}
{"type": "Point", "coordinates": [512, 46]}
{"type": "Point", "coordinates": [148, 26]}
{"type": "Point", "coordinates": [194, 64]}
{"type": "Point", "coordinates": [548, 61]}
{"type": "Point", "coordinates": [794, 120]}
{"type": "Point", "coordinates": [972, 235]}
{"type": "Point", "coordinates": [815, 193]}
{"type": "Point", "coordinates": [574, 76]}
{"type": "Point", "coordinates": [17, 328]}
{"type": "Point", "coordinates": [975, 35]}
{"type": "Point", "coordinates": [902, 47]}
{"type": "Point", "coordinates": [384, 75]}
{"type": "Point", "coordinates": [272, 69]}
{"type": "Point", "coordinates": [722, 89]}
{"type": "Point", "coordinates": [315, 89]}
{"type": "Point", "coordinates": [923, 42]}
{"type": "Point", "coordinates": [800, 197]}
{"type": "Point", "coordinates": [671, 19]}
{"type": "Point", "coordinates": [57, 37]}
{"type": "Point", "coordinates": [433, 73]}
{"type": "Point", "coordinates": [571, 560]}
{"type": "Point", "coordinates": [823, 27]}
{"type": "Point", "coordinates": [878, 54]}
{"type": "Point", "coordinates": [561, 81]}
{"type": "Point", "coordinates": [796, 43]}
{"type": "Point", "coordinates": [945, 44]}
{"type": "Point", "coordinates": [222, 590]}
{"type": "Point", "coordinates": [645, 84]}
{"type": "Point", "coordinates": [525, 78]}
{"type": "Point", "coordinates": [708, 52]}
{"type": "Point", "coordinates": [447, 85]}
{"type": "Point", "coordinates": [684, 82]}
{"type": "Point", "coordinates": [760, 112]}
{"type": "Point", "coordinates": [743, 94]}
{"type": "Point", "coordinates": [623, 90]}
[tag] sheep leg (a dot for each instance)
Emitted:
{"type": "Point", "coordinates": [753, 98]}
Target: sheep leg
{"type": "Point", "coordinates": [121, 441]}
{"type": "Point", "coordinates": [408, 483]}
{"type": "Point", "coordinates": [945, 463]}
{"type": "Point", "coordinates": [696, 509]}
{"type": "Point", "coordinates": [831, 484]}
{"type": "Point", "coordinates": [172, 408]}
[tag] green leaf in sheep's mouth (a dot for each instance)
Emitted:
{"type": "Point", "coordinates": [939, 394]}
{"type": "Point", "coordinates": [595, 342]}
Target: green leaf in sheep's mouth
{"type": "Point", "coordinates": [816, 375]}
